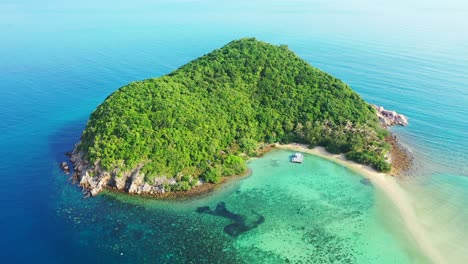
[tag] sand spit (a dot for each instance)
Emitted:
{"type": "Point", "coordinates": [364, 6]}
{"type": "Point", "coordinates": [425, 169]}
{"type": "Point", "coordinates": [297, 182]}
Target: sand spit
{"type": "Point", "coordinates": [390, 187]}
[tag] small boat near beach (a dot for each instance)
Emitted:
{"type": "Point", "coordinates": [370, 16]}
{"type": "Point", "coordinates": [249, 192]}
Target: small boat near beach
{"type": "Point", "coordinates": [297, 158]}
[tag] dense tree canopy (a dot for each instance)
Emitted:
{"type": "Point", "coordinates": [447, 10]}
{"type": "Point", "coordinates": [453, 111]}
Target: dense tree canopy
{"type": "Point", "coordinates": [204, 119]}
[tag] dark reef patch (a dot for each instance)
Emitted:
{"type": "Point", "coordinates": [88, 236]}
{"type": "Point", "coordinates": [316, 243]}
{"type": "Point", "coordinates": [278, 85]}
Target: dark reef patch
{"type": "Point", "coordinates": [241, 223]}
{"type": "Point", "coordinates": [366, 181]}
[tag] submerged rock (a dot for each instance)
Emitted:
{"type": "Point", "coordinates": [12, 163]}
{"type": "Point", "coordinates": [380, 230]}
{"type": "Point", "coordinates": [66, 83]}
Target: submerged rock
{"type": "Point", "coordinates": [366, 181]}
{"type": "Point", "coordinates": [204, 210]}
{"type": "Point", "coordinates": [390, 118]}
{"type": "Point", "coordinates": [64, 167]}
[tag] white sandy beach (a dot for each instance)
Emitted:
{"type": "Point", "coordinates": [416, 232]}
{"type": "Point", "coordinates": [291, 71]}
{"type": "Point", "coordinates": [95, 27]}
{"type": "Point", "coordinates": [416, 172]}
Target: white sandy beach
{"type": "Point", "coordinates": [390, 187]}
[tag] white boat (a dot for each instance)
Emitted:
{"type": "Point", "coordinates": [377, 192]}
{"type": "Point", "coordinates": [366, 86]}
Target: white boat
{"type": "Point", "coordinates": [297, 158]}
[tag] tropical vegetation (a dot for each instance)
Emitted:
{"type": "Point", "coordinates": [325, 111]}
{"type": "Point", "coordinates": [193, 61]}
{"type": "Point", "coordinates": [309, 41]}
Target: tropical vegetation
{"type": "Point", "coordinates": [205, 119]}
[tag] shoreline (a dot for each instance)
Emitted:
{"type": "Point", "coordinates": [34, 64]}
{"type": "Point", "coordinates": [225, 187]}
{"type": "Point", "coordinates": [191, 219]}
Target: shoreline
{"type": "Point", "coordinates": [399, 157]}
{"type": "Point", "coordinates": [387, 184]}
{"type": "Point", "coordinates": [195, 192]}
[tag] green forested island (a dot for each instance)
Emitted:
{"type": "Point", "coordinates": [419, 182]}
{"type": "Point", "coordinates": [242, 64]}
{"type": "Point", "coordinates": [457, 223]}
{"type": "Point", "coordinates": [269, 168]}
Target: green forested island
{"type": "Point", "coordinates": [205, 119]}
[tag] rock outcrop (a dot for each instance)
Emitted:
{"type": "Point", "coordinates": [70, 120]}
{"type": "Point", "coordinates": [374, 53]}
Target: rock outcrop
{"type": "Point", "coordinates": [390, 118]}
{"type": "Point", "coordinates": [64, 167]}
{"type": "Point", "coordinates": [94, 180]}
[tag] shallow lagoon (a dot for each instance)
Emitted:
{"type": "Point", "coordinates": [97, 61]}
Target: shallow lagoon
{"type": "Point", "coordinates": [314, 212]}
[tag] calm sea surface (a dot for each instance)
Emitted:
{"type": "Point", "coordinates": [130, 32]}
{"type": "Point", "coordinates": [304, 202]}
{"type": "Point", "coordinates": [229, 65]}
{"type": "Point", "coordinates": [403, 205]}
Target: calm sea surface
{"type": "Point", "coordinates": [59, 60]}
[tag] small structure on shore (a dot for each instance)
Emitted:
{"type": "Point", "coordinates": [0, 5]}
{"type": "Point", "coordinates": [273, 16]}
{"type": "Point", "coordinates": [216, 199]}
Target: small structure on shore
{"type": "Point", "coordinates": [297, 158]}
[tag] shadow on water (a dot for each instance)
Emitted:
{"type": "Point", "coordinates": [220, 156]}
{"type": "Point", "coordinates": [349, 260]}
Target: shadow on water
{"type": "Point", "coordinates": [241, 223]}
{"type": "Point", "coordinates": [34, 206]}
{"type": "Point", "coordinates": [63, 140]}
{"type": "Point", "coordinates": [366, 182]}
{"type": "Point", "coordinates": [274, 163]}
{"type": "Point", "coordinates": [277, 163]}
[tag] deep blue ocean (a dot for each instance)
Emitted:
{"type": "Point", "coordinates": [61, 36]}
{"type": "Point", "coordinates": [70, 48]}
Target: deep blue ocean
{"type": "Point", "coordinates": [59, 60]}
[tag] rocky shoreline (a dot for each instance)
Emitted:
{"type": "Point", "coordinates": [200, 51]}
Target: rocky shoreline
{"type": "Point", "coordinates": [390, 118]}
{"type": "Point", "coordinates": [94, 180]}
{"type": "Point", "coordinates": [132, 183]}
{"type": "Point", "coordinates": [400, 157]}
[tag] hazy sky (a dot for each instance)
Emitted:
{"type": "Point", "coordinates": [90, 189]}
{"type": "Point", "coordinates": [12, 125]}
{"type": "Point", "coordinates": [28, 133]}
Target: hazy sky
{"type": "Point", "coordinates": [421, 19]}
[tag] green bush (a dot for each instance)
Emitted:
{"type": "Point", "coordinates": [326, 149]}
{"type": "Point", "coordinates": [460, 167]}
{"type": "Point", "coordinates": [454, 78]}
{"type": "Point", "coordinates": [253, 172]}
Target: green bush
{"type": "Point", "coordinates": [234, 165]}
{"type": "Point", "coordinates": [213, 175]}
{"type": "Point", "coordinates": [185, 178]}
{"type": "Point", "coordinates": [367, 157]}
{"type": "Point", "coordinates": [183, 186]}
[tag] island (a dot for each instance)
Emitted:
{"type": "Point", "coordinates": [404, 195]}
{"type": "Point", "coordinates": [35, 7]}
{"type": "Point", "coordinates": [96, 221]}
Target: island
{"type": "Point", "coordinates": [200, 124]}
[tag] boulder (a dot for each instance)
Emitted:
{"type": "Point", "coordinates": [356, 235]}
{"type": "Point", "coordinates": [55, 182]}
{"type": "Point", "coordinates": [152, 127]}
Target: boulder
{"type": "Point", "coordinates": [390, 118]}
{"type": "Point", "coordinates": [64, 167]}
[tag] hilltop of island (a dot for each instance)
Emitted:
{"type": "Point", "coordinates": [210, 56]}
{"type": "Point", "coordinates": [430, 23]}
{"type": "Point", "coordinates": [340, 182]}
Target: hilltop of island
{"type": "Point", "coordinates": [204, 120]}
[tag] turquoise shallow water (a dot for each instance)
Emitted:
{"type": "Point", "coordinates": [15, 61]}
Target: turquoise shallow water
{"type": "Point", "coordinates": [60, 60]}
{"type": "Point", "coordinates": [315, 212]}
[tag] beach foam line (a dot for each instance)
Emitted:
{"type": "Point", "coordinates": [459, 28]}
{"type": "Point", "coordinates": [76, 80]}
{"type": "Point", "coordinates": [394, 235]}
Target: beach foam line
{"type": "Point", "coordinates": [390, 188]}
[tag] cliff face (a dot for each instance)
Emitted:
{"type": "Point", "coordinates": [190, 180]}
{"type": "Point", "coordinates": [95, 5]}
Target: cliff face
{"type": "Point", "coordinates": [94, 180]}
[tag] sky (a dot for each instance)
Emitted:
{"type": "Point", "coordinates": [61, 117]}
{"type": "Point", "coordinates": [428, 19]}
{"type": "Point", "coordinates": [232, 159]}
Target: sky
{"type": "Point", "coordinates": [399, 20]}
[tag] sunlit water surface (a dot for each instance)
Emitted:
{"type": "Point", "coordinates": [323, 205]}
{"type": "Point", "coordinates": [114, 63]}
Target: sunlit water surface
{"type": "Point", "coordinates": [60, 60]}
